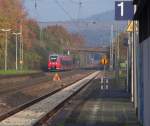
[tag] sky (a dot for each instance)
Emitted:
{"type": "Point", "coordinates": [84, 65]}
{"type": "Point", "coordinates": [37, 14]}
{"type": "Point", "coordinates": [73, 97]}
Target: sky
{"type": "Point", "coordinates": [62, 10]}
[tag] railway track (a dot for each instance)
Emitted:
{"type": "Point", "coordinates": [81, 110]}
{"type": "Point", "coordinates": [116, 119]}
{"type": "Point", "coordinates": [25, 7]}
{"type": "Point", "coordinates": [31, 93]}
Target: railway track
{"type": "Point", "coordinates": [36, 74]}
{"type": "Point", "coordinates": [22, 106]}
{"type": "Point", "coordinates": [15, 83]}
{"type": "Point", "coordinates": [34, 89]}
{"type": "Point", "coordinates": [39, 108]}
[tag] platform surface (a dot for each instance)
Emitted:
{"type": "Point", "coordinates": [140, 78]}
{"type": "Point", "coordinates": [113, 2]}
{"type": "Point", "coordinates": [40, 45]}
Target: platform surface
{"type": "Point", "coordinates": [32, 114]}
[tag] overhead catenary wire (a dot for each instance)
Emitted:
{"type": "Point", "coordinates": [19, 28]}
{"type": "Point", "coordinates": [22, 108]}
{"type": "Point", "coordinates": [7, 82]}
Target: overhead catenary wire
{"type": "Point", "coordinates": [78, 14]}
{"type": "Point", "coordinates": [76, 2]}
{"type": "Point", "coordinates": [35, 4]}
{"type": "Point", "coordinates": [67, 13]}
{"type": "Point", "coordinates": [60, 6]}
{"type": "Point", "coordinates": [75, 21]}
{"type": "Point", "coordinates": [79, 3]}
{"type": "Point", "coordinates": [79, 10]}
{"type": "Point", "coordinates": [37, 17]}
{"type": "Point", "coordinates": [64, 10]}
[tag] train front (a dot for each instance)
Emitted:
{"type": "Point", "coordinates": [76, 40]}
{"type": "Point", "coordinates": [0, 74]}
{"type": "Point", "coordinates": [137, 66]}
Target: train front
{"type": "Point", "coordinates": [54, 63]}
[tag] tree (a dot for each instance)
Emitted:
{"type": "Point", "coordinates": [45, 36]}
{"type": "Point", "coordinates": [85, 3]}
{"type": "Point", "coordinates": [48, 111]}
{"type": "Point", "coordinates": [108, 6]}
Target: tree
{"type": "Point", "coordinates": [77, 40]}
{"type": "Point", "coordinates": [37, 42]}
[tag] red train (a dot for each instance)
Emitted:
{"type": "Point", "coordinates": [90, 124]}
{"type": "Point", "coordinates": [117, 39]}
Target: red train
{"type": "Point", "coordinates": [60, 62]}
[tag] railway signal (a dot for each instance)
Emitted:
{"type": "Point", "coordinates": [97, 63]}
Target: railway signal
{"type": "Point", "coordinates": [104, 61]}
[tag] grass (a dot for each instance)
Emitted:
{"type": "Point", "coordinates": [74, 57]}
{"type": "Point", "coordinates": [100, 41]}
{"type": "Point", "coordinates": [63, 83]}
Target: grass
{"type": "Point", "coordinates": [14, 72]}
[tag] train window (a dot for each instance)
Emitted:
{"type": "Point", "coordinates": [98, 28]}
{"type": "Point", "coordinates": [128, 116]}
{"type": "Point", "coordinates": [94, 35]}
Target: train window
{"type": "Point", "coordinates": [53, 58]}
{"type": "Point", "coordinates": [66, 62]}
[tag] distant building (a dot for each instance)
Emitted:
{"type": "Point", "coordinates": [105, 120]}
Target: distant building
{"type": "Point", "coordinates": [143, 16]}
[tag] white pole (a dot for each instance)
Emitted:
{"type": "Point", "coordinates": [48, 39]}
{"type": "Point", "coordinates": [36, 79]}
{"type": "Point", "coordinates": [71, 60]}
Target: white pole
{"type": "Point", "coordinates": [128, 59]}
{"type": "Point", "coordinates": [22, 51]}
{"type": "Point", "coordinates": [16, 53]}
{"type": "Point", "coordinates": [118, 50]}
{"type": "Point", "coordinates": [104, 70]}
{"type": "Point", "coordinates": [112, 47]}
{"type": "Point", "coordinates": [6, 43]}
{"type": "Point", "coordinates": [132, 69]}
{"type": "Point", "coordinates": [117, 54]}
{"type": "Point", "coordinates": [110, 65]}
{"type": "Point", "coordinates": [135, 65]}
{"type": "Point", "coordinates": [16, 34]}
{"type": "Point", "coordinates": [6, 48]}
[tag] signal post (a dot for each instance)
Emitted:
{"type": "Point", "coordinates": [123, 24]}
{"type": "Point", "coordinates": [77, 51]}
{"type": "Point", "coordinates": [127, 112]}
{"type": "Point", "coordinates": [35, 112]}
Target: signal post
{"type": "Point", "coordinates": [104, 81]}
{"type": "Point", "coordinates": [104, 61]}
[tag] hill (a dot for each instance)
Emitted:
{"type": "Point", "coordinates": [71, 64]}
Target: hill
{"type": "Point", "coordinates": [107, 16]}
{"type": "Point", "coordinates": [96, 29]}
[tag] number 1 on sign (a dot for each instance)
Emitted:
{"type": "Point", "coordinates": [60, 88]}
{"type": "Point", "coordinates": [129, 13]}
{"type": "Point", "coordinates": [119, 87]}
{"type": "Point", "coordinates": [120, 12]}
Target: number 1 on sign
{"type": "Point", "coordinates": [122, 8]}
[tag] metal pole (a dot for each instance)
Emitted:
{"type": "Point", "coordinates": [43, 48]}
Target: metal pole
{"type": "Point", "coordinates": [21, 48]}
{"type": "Point", "coordinates": [16, 34]}
{"type": "Point", "coordinates": [130, 63]}
{"type": "Point", "coordinates": [118, 55]}
{"type": "Point", "coordinates": [127, 69]}
{"type": "Point", "coordinates": [132, 68]}
{"type": "Point", "coordinates": [110, 65]}
{"type": "Point", "coordinates": [6, 43]}
{"type": "Point", "coordinates": [135, 65]}
{"type": "Point", "coordinates": [127, 86]}
{"type": "Point", "coordinates": [16, 52]}
{"type": "Point", "coordinates": [129, 60]}
{"type": "Point", "coordinates": [22, 55]}
{"type": "Point", "coordinates": [112, 47]}
{"type": "Point", "coordinates": [104, 70]}
{"type": "Point", "coordinates": [6, 48]}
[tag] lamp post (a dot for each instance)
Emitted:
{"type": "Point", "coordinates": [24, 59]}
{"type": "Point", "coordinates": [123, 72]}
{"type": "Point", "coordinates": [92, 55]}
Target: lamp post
{"type": "Point", "coordinates": [16, 34]}
{"type": "Point", "coordinates": [21, 47]}
{"type": "Point", "coordinates": [6, 43]}
{"type": "Point", "coordinates": [111, 48]}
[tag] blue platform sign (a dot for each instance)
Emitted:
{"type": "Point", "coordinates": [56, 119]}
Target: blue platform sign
{"type": "Point", "coordinates": [124, 10]}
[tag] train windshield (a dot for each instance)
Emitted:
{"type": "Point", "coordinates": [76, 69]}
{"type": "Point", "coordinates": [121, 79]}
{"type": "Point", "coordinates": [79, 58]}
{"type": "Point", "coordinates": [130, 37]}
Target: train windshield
{"type": "Point", "coordinates": [53, 58]}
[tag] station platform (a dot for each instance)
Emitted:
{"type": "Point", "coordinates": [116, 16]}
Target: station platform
{"type": "Point", "coordinates": [97, 107]}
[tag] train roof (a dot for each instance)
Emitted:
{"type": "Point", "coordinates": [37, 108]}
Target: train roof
{"type": "Point", "coordinates": [60, 55]}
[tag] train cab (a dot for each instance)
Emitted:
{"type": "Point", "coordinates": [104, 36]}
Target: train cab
{"type": "Point", "coordinates": [54, 62]}
{"type": "Point", "coordinates": [60, 62]}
